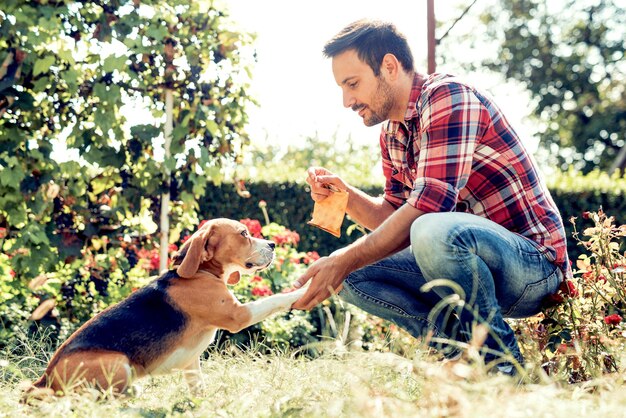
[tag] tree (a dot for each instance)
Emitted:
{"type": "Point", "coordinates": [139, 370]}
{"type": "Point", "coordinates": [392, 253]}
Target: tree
{"type": "Point", "coordinates": [69, 68]}
{"type": "Point", "coordinates": [570, 56]}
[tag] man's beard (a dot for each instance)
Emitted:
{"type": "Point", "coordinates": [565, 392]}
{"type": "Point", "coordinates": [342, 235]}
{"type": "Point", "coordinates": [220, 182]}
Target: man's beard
{"type": "Point", "coordinates": [381, 105]}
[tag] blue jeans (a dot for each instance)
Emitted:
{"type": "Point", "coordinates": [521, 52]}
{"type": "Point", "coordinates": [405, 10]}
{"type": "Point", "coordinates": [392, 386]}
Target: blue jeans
{"type": "Point", "coordinates": [494, 272]}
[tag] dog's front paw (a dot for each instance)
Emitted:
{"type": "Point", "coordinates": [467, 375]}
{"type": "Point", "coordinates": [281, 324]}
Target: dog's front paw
{"type": "Point", "coordinates": [293, 296]}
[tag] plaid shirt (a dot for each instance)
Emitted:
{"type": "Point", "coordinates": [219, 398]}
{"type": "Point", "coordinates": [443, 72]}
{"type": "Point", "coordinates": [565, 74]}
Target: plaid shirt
{"type": "Point", "coordinates": [456, 151]}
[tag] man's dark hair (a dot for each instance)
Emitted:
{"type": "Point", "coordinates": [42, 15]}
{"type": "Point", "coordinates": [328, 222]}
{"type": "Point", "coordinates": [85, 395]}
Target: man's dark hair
{"type": "Point", "coordinates": [371, 39]}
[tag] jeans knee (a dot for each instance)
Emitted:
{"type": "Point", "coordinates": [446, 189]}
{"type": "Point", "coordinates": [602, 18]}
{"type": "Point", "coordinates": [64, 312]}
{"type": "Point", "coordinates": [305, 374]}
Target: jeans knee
{"type": "Point", "coordinates": [422, 229]}
{"type": "Point", "coordinates": [347, 292]}
{"type": "Point", "coordinates": [432, 238]}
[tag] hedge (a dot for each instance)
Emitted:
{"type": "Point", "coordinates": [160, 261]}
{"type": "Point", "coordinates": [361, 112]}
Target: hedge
{"type": "Point", "coordinates": [289, 204]}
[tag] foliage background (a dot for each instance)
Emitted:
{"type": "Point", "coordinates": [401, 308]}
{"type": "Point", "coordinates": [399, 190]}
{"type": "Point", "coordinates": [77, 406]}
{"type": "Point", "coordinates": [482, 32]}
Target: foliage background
{"type": "Point", "coordinates": [568, 56]}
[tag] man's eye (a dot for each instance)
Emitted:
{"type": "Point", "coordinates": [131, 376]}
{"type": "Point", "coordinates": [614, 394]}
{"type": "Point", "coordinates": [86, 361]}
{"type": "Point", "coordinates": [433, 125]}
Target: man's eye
{"type": "Point", "coordinates": [352, 85]}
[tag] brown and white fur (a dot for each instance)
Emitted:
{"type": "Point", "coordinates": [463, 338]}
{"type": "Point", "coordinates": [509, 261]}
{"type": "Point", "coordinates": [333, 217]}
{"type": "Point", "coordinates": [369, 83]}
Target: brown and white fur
{"type": "Point", "coordinates": [169, 323]}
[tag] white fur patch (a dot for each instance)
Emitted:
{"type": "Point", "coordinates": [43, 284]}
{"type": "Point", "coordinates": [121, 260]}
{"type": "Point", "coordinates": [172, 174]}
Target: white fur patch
{"type": "Point", "coordinates": [182, 357]}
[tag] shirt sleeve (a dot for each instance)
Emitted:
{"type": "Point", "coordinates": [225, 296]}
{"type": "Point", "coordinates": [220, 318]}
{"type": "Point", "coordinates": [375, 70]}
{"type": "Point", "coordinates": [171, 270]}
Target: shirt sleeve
{"type": "Point", "coordinates": [451, 122]}
{"type": "Point", "coordinates": [396, 193]}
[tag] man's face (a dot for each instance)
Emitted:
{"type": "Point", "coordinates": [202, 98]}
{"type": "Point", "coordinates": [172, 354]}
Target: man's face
{"type": "Point", "coordinates": [363, 92]}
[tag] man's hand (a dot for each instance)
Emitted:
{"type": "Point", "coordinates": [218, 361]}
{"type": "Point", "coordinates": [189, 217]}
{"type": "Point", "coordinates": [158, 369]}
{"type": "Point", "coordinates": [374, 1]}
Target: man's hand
{"type": "Point", "coordinates": [320, 179]}
{"type": "Point", "coordinates": [327, 275]}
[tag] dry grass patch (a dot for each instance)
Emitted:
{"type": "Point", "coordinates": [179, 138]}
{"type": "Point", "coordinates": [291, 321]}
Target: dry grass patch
{"type": "Point", "coordinates": [342, 385]}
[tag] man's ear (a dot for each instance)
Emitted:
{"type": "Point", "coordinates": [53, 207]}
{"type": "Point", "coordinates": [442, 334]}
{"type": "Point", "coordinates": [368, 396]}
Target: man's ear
{"type": "Point", "coordinates": [234, 277]}
{"type": "Point", "coordinates": [195, 251]}
{"type": "Point", "coordinates": [390, 67]}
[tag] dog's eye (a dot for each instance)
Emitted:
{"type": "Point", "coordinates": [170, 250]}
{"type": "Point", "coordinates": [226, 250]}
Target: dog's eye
{"type": "Point", "coordinates": [244, 233]}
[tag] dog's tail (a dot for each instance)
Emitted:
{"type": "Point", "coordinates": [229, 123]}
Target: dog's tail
{"type": "Point", "coordinates": [35, 390]}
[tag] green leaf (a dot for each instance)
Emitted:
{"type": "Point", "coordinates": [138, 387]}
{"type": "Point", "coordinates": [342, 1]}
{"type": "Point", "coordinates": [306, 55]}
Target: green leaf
{"type": "Point", "coordinates": [71, 78]}
{"type": "Point", "coordinates": [42, 65]}
{"type": "Point", "coordinates": [35, 234]}
{"type": "Point", "coordinates": [113, 62]}
{"type": "Point", "coordinates": [179, 132]}
{"type": "Point", "coordinates": [67, 56]}
{"type": "Point", "coordinates": [145, 132]}
{"type": "Point", "coordinates": [170, 164]}
{"type": "Point", "coordinates": [13, 175]}
{"type": "Point", "coordinates": [100, 90]}
{"type": "Point", "coordinates": [41, 84]}
{"type": "Point", "coordinates": [212, 126]}
{"type": "Point", "coordinates": [158, 33]}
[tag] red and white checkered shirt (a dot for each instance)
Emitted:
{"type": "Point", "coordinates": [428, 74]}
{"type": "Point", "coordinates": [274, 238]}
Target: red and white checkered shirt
{"type": "Point", "coordinates": [456, 151]}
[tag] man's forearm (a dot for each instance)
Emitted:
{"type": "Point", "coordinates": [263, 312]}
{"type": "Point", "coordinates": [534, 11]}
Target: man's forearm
{"type": "Point", "coordinates": [392, 236]}
{"type": "Point", "coordinates": [366, 210]}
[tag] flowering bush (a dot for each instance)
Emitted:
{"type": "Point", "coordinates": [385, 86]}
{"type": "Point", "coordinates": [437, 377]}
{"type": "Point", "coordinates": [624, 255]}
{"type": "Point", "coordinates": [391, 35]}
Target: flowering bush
{"type": "Point", "coordinates": [290, 329]}
{"type": "Point", "coordinates": [110, 268]}
{"type": "Point", "coordinates": [578, 336]}
{"type": "Point", "coordinates": [580, 333]}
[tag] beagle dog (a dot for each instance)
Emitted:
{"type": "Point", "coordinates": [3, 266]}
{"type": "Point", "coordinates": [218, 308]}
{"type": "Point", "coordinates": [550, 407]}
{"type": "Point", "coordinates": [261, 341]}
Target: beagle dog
{"type": "Point", "coordinates": [170, 322]}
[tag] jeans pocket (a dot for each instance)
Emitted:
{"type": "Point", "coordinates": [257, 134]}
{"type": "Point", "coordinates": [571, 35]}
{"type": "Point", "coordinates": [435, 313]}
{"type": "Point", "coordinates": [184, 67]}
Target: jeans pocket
{"type": "Point", "coordinates": [529, 303]}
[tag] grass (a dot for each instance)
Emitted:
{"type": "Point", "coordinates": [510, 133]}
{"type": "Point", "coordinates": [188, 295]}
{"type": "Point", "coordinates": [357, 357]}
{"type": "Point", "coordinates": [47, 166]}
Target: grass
{"type": "Point", "coordinates": [338, 384]}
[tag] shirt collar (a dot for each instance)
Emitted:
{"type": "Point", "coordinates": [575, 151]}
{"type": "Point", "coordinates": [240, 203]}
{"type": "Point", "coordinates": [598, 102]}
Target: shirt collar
{"type": "Point", "coordinates": [416, 91]}
{"type": "Point", "coordinates": [411, 108]}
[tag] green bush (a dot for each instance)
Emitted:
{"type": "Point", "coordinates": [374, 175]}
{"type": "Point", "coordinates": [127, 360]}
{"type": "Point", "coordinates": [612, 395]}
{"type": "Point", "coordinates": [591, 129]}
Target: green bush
{"type": "Point", "coordinates": [291, 205]}
{"type": "Point", "coordinates": [576, 194]}
{"type": "Point", "coordinates": [112, 263]}
{"type": "Point", "coordinates": [61, 300]}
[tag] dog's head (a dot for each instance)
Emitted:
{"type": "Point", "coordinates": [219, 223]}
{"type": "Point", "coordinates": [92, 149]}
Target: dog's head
{"type": "Point", "coordinates": [224, 248]}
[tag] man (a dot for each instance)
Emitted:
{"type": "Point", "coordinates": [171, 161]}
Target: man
{"type": "Point", "coordinates": [463, 202]}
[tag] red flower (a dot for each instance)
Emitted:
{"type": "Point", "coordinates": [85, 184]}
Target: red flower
{"type": "Point", "coordinates": [155, 260]}
{"type": "Point", "coordinates": [311, 257]}
{"type": "Point", "coordinates": [613, 319]}
{"type": "Point", "coordinates": [3, 233]}
{"type": "Point", "coordinates": [287, 238]}
{"type": "Point", "coordinates": [151, 257]}
{"type": "Point", "coordinates": [254, 227]}
{"type": "Point", "coordinates": [12, 273]}
{"type": "Point", "coordinates": [172, 248]}
{"type": "Point", "coordinates": [256, 279]}
{"type": "Point", "coordinates": [202, 223]}
{"type": "Point", "coordinates": [586, 215]}
{"type": "Point", "coordinates": [567, 288]}
{"type": "Point", "coordinates": [562, 348]}
{"type": "Point", "coordinates": [261, 290]}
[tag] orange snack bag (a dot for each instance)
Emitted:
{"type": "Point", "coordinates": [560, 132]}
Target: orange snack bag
{"type": "Point", "coordinates": [328, 214]}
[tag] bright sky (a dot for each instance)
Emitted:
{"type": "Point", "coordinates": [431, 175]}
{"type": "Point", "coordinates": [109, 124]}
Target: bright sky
{"type": "Point", "coordinates": [293, 82]}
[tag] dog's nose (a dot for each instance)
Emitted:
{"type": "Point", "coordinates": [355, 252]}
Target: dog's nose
{"type": "Point", "coordinates": [272, 244]}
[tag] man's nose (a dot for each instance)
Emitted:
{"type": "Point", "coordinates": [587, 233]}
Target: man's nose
{"type": "Point", "coordinates": [348, 99]}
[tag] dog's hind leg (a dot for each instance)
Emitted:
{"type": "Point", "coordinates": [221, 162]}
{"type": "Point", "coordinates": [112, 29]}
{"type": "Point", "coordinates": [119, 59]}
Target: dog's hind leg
{"type": "Point", "coordinates": [102, 370]}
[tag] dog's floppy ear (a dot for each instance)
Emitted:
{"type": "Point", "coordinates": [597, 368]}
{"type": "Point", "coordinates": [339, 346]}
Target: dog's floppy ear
{"type": "Point", "coordinates": [234, 277]}
{"type": "Point", "coordinates": [195, 252]}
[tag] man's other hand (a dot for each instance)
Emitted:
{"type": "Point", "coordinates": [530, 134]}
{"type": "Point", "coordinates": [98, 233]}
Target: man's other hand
{"type": "Point", "coordinates": [321, 181]}
{"type": "Point", "coordinates": [327, 275]}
